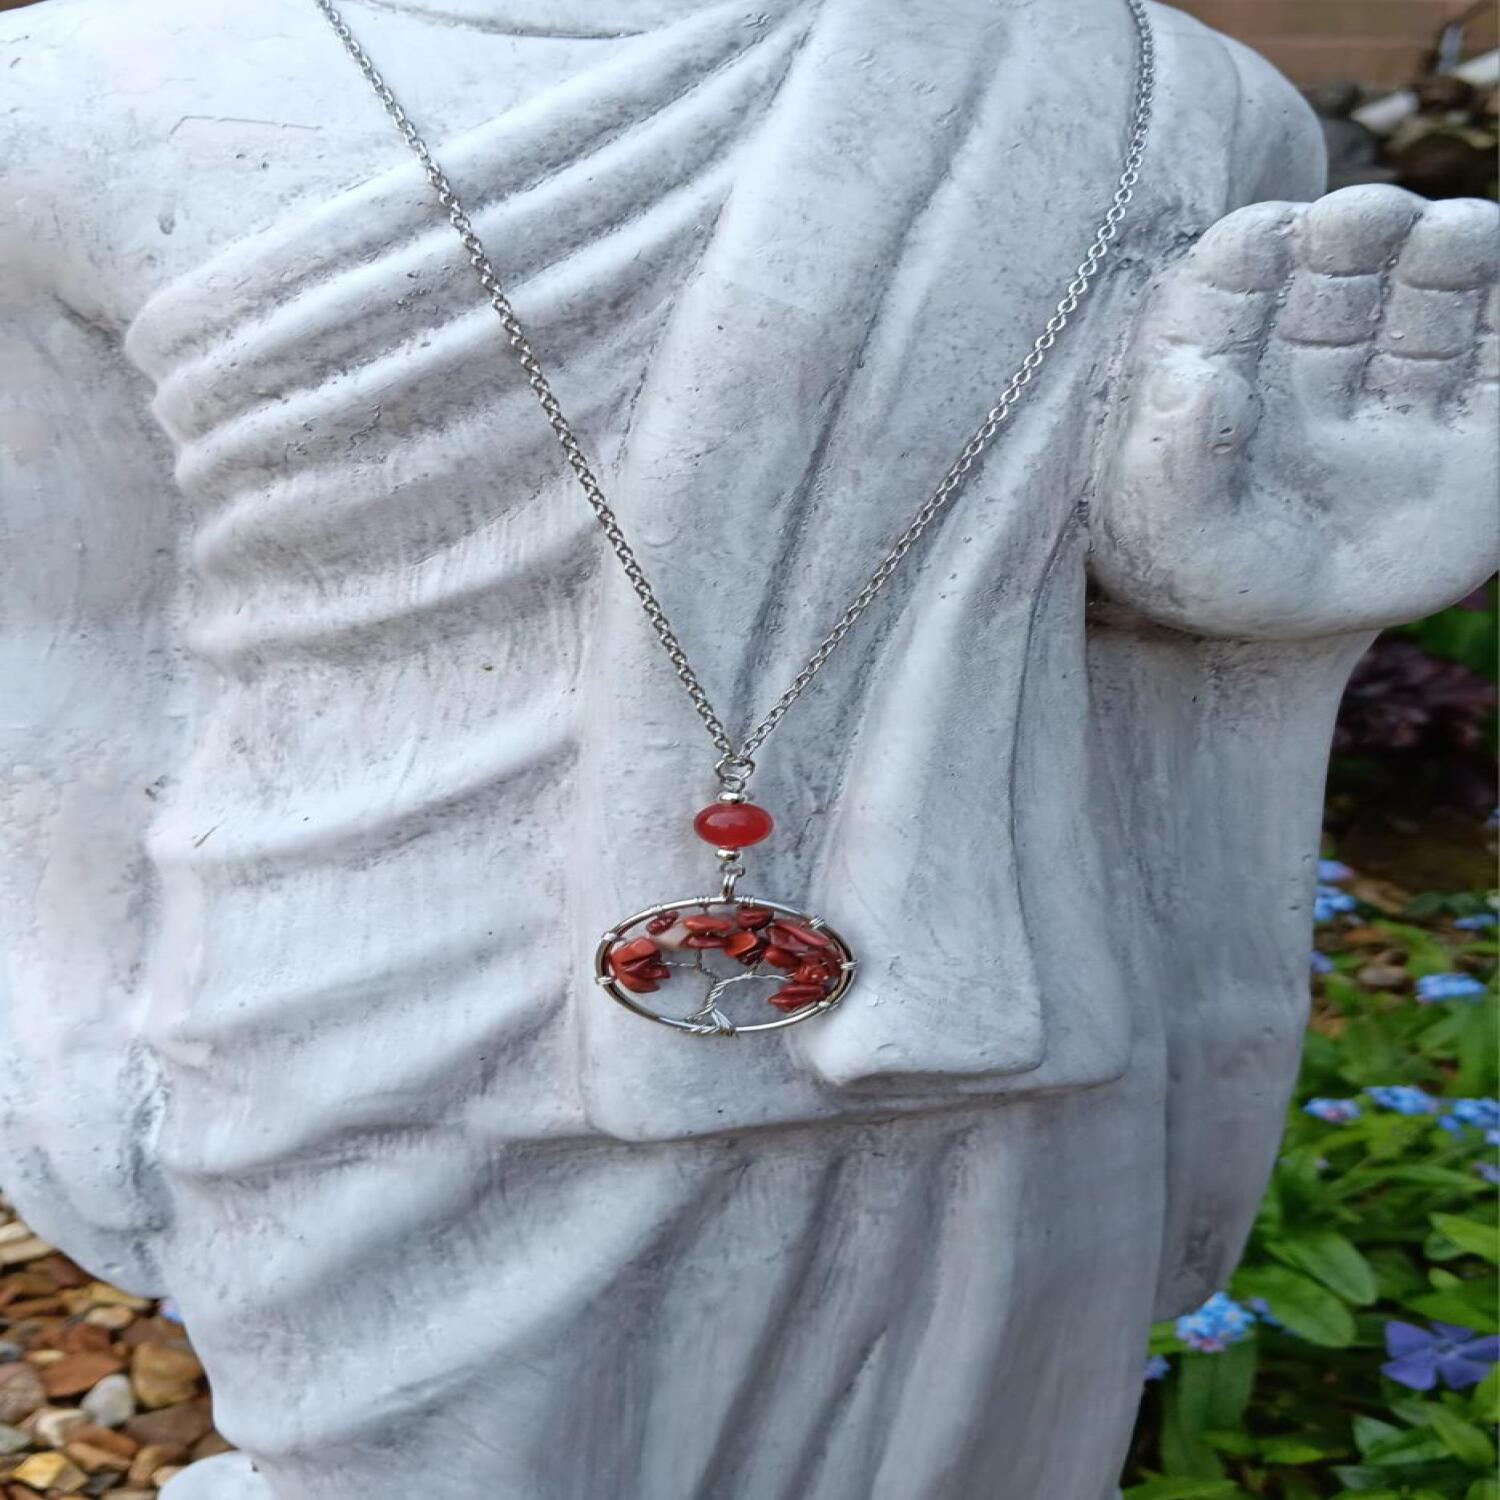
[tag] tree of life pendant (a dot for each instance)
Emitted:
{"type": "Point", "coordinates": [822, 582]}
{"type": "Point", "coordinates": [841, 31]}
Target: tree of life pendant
{"type": "Point", "coordinates": [724, 957]}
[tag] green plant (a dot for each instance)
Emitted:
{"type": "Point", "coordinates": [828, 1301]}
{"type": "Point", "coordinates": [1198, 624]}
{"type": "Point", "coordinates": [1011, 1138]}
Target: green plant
{"type": "Point", "coordinates": [1377, 1237]}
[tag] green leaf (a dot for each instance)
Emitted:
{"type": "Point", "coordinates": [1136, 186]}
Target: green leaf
{"type": "Point", "coordinates": [1468, 1309]}
{"type": "Point", "coordinates": [1484, 1489]}
{"type": "Point", "coordinates": [1163, 1339]}
{"type": "Point", "coordinates": [1484, 1403]}
{"type": "Point", "coordinates": [1368, 1484]}
{"type": "Point", "coordinates": [1412, 1410]}
{"type": "Point", "coordinates": [1299, 1450]}
{"type": "Point", "coordinates": [1214, 1389]}
{"type": "Point", "coordinates": [1395, 1273]}
{"type": "Point", "coordinates": [1184, 1489]}
{"type": "Point", "coordinates": [1236, 1443]}
{"type": "Point", "coordinates": [1470, 1235]}
{"type": "Point", "coordinates": [1184, 1454]}
{"type": "Point", "coordinates": [1462, 1439]}
{"type": "Point", "coordinates": [1418, 1176]}
{"type": "Point", "coordinates": [1331, 1258]}
{"type": "Point", "coordinates": [1300, 1304]}
{"type": "Point", "coordinates": [1368, 1431]}
{"type": "Point", "coordinates": [1476, 1052]}
{"type": "Point", "coordinates": [1414, 1445]}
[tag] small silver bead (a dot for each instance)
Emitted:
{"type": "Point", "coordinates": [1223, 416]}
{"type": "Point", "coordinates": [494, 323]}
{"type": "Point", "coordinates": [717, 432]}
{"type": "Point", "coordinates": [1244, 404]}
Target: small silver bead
{"type": "Point", "coordinates": [731, 796]}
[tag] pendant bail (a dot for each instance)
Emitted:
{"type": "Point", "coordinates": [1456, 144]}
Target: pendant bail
{"type": "Point", "coordinates": [731, 867]}
{"type": "Point", "coordinates": [734, 772]}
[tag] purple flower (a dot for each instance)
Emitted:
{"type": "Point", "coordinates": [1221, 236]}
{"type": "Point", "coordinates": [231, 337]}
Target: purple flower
{"type": "Point", "coordinates": [1434, 987]}
{"type": "Point", "coordinates": [1332, 1111]}
{"type": "Point", "coordinates": [1220, 1322]}
{"type": "Point", "coordinates": [1320, 963]}
{"type": "Point", "coordinates": [1330, 901]}
{"type": "Point", "coordinates": [1479, 922]}
{"type": "Point", "coordinates": [1158, 1367]}
{"type": "Point", "coordinates": [1403, 1099]}
{"type": "Point", "coordinates": [1489, 1171]}
{"type": "Point", "coordinates": [1421, 1357]}
{"type": "Point", "coordinates": [1333, 870]}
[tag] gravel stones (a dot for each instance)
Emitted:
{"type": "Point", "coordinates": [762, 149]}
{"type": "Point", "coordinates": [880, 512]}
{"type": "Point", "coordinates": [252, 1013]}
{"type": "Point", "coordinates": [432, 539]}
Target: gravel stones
{"type": "Point", "coordinates": [111, 1403]}
{"type": "Point", "coordinates": [21, 1392]}
{"type": "Point", "coordinates": [100, 1392]}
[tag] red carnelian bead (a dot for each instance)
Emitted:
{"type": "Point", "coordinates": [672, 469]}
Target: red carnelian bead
{"type": "Point", "coordinates": [733, 825]}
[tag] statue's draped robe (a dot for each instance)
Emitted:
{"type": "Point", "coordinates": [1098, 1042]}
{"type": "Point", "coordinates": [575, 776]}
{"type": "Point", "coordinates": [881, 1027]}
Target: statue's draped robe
{"type": "Point", "coordinates": [431, 751]}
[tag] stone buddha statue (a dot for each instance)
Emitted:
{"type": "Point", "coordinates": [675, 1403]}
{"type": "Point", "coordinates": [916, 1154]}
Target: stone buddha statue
{"type": "Point", "coordinates": [333, 738]}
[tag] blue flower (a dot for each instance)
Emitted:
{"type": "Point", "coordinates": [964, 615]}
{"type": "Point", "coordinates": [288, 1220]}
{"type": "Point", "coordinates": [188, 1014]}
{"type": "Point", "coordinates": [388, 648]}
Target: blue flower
{"type": "Point", "coordinates": [1320, 963]}
{"type": "Point", "coordinates": [1434, 987]}
{"type": "Point", "coordinates": [1330, 901]}
{"type": "Point", "coordinates": [1479, 922]}
{"type": "Point", "coordinates": [1489, 1171]}
{"type": "Point", "coordinates": [1482, 1114]}
{"type": "Point", "coordinates": [1220, 1322]}
{"type": "Point", "coordinates": [1332, 1111]}
{"type": "Point", "coordinates": [1333, 870]}
{"type": "Point", "coordinates": [1158, 1367]}
{"type": "Point", "coordinates": [1421, 1357]}
{"type": "Point", "coordinates": [1405, 1100]}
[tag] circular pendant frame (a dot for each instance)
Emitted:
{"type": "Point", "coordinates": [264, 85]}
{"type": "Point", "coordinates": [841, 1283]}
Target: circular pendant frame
{"type": "Point", "coordinates": [638, 1004]}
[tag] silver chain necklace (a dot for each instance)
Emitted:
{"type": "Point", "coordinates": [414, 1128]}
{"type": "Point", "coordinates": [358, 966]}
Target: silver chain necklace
{"type": "Point", "coordinates": [728, 939]}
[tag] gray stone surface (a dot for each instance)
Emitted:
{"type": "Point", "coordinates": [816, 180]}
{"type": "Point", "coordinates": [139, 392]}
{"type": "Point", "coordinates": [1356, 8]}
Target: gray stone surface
{"type": "Point", "coordinates": [332, 740]}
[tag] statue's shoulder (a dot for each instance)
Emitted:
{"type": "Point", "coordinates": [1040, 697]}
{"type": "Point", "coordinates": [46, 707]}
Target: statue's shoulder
{"type": "Point", "coordinates": [115, 111]}
{"type": "Point", "coordinates": [1209, 83]}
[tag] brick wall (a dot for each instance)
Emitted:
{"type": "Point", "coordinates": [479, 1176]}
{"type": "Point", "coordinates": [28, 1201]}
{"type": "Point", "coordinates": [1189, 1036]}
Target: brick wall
{"type": "Point", "coordinates": [1376, 42]}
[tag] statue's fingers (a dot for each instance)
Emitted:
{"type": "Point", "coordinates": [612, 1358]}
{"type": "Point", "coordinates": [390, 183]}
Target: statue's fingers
{"type": "Point", "coordinates": [1484, 374]}
{"type": "Point", "coordinates": [1342, 249]}
{"type": "Point", "coordinates": [1425, 343]}
{"type": "Point", "coordinates": [1218, 300]}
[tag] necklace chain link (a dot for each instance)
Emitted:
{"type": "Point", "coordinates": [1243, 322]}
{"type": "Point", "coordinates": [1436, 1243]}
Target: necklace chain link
{"type": "Point", "coordinates": [736, 764]}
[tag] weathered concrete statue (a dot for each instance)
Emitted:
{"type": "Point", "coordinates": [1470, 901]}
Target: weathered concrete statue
{"type": "Point", "coordinates": [333, 737]}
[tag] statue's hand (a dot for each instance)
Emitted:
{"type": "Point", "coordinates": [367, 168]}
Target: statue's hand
{"type": "Point", "coordinates": [1307, 441]}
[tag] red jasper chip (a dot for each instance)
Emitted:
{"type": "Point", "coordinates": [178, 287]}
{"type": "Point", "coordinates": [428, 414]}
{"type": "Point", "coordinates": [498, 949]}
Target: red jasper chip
{"type": "Point", "coordinates": [708, 923]}
{"type": "Point", "coordinates": [704, 940]}
{"type": "Point", "coordinates": [795, 996]}
{"type": "Point", "coordinates": [637, 965]}
{"type": "Point", "coordinates": [794, 935]}
{"type": "Point", "coordinates": [636, 983]}
{"type": "Point", "coordinates": [663, 923]}
{"type": "Point", "coordinates": [814, 971]}
{"type": "Point", "coordinates": [781, 958]}
{"type": "Point", "coordinates": [636, 951]}
{"type": "Point", "coordinates": [745, 946]}
{"type": "Point", "coordinates": [753, 918]}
